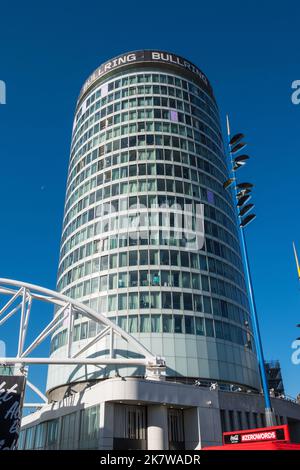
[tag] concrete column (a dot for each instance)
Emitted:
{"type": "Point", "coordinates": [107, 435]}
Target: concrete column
{"type": "Point", "coordinates": [191, 418]}
{"type": "Point", "coordinates": [157, 430]}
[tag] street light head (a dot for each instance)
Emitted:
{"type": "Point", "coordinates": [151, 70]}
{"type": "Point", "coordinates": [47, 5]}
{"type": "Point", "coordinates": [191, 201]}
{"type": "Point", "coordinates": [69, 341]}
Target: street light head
{"type": "Point", "coordinates": [242, 193]}
{"type": "Point", "coordinates": [228, 183]}
{"type": "Point", "coordinates": [241, 159]}
{"type": "Point", "coordinates": [237, 166]}
{"type": "Point", "coordinates": [246, 209]}
{"type": "Point", "coordinates": [246, 221]}
{"type": "Point", "coordinates": [238, 147]}
{"type": "Point", "coordinates": [236, 138]}
{"type": "Point", "coordinates": [242, 200]}
{"type": "Point", "coordinates": [245, 185]}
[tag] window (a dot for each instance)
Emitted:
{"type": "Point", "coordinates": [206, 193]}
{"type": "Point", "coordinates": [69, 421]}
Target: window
{"type": "Point", "coordinates": [145, 324]}
{"type": "Point", "coordinates": [113, 281]}
{"type": "Point", "coordinates": [154, 259]}
{"type": "Point", "coordinates": [175, 278]}
{"type": "Point", "coordinates": [175, 258]}
{"type": "Point", "coordinates": [164, 257]}
{"type": "Point", "coordinates": [178, 323]}
{"type": "Point", "coordinates": [132, 323]}
{"type": "Point", "coordinates": [133, 424]}
{"type": "Point", "coordinates": [104, 263]}
{"type": "Point", "coordinates": [103, 283]}
{"type": "Point", "coordinates": [112, 303]}
{"type": "Point", "coordinates": [89, 428]}
{"type": "Point", "coordinates": [144, 278]}
{"type": "Point", "coordinates": [186, 280]}
{"type": "Point", "coordinates": [184, 256]}
{"type": "Point", "coordinates": [84, 330]}
{"type": "Point", "coordinates": [52, 434]}
{"type": "Point", "coordinates": [197, 303]}
{"type": "Point", "coordinates": [144, 300]}
{"type": "Point", "coordinates": [155, 278]}
{"type": "Point", "coordinates": [29, 438]}
{"type": "Point", "coordinates": [219, 329]}
{"type": "Point", "coordinates": [132, 258]}
{"type": "Point", "coordinates": [21, 440]}
{"type": "Point", "coordinates": [113, 261]}
{"type": "Point", "coordinates": [176, 300]}
{"type": "Point", "coordinates": [122, 301]}
{"type": "Point", "coordinates": [209, 327]}
{"type": "Point", "coordinates": [133, 301]}
{"type": "Point", "coordinates": [156, 323]}
{"type": "Point", "coordinates": [206, 304]}
{"type": "Point", "coordinates": [199, 323]}
{"type": "Point", "coordinates": [155, 300]}
{"type": "Point", "coordinates": [40, 436]}
{"type": "Point", "coordinates": [166, 300]}
{"type": "Point", "coordinates": [123, 280]}
{"type": "Point", "coordinates": [196, 281]}
{"type": "Point", "coordinates": [175, 426]}
{"type": "Point", "coordinates": [122, 260]}
{"type": "Point", "coordinates": [122, 322]}
{"type": "Point", "coordinates": [133, 278]}
{"type": "Point", "coordinates": [188, 302]}
{"type": "Point", "coordinates": [167, 324]}
{"type": "Point", "coordinates": [143, 257]}
{"type": "Point", "coordinates": [189, 325]}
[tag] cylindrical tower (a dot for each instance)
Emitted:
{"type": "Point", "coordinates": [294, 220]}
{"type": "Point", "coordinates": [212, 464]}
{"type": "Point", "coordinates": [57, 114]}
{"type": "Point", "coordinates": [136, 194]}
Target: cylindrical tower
{"type": "Point", "coordinates": [147, 164]}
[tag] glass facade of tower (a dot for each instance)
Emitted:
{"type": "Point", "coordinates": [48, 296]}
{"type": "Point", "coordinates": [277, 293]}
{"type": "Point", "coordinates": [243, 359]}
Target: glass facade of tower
{"type": "Point", "coordinates": [146, 140]}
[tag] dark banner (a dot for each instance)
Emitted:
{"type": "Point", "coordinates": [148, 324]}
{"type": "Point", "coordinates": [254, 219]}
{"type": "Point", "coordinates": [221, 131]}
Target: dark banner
{"type": "Point", "coordinates": [145, 56]}
{"type": "Point", "coordinates": [11, 400]}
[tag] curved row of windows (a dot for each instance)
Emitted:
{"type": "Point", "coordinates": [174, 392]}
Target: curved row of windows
{"type": "Point", "coordinates": [194, 188]}
{"type": "Point", "coordinates": [178, 179]}
{"type": "Point", "coordinates": [150, 140]}
{"type": "Point", "coordinates": [59, 433]}
{"type": "Point", "coordinates": [204, 160]}
{"type": "Point", "coordinates": [165, 323]}
{"type": "Point", "coordinates": [138, 140]}
{"type": "Point", "coordinates": [171, 186]}
{"type": "Point", "coordinates": [155, 238]}
{"type": "Point", "coordinates": [75, 233]}
{"type": "Point", "coordinates": [182, 89]}
{"type": "Point", "coordinates": [195, 262]}
{"type": "Point", "coordinates": [206, 172]}
{"type": "Point", "coordinates": [140, 227]}
{"type": "Point", "coordinates": [177, 122]}
{"type": "Point", "coordinates": [151, 278]}
{"type": "Point", "coordinates": [173, 122]}
{"type": "Point", "coordinates": [134, 81]}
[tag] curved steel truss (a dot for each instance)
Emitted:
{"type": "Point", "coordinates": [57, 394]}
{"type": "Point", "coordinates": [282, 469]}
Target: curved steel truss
{"type": "Point", "coordinates": [20, 297]}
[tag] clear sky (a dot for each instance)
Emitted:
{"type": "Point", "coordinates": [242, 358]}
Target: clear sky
{"type": "Point", "coordinates": [250, 52]}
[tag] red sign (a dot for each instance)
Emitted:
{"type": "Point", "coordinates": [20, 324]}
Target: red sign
{"type": "Point", "coordinates": [271, 438]}
{"type": "Point", "coordinates": [275, 433]}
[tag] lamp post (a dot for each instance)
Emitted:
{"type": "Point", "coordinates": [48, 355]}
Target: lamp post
{"type": "Point", "coordinates": [242, 192]}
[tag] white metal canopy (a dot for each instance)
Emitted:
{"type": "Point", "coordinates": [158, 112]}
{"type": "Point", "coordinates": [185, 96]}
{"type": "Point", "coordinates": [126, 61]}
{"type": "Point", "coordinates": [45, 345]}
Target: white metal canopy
{"type": "Point", "coordinates": [21, 295]}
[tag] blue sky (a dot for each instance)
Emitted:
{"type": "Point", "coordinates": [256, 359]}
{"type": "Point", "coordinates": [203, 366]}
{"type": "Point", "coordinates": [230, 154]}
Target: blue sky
{"type": "Point", "coordinates": [251, 56]}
